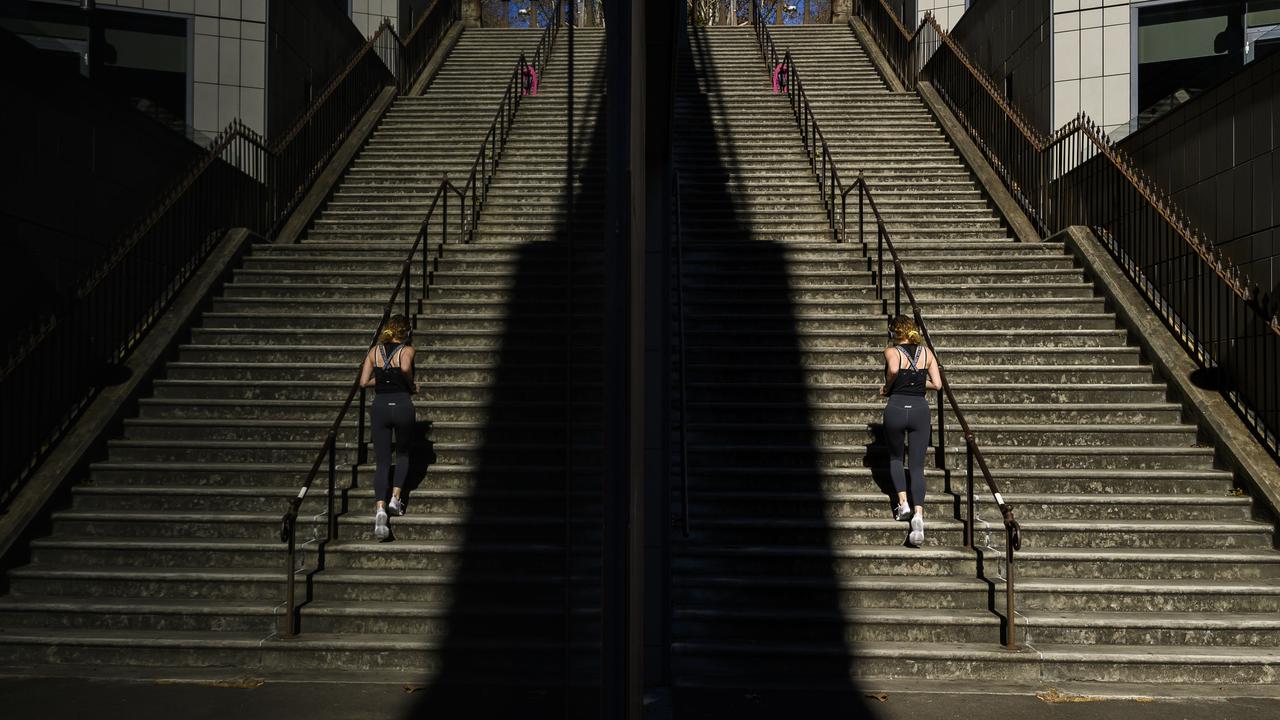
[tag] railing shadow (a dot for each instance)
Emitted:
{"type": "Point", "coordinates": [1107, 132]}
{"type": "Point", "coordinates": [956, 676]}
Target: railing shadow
{"type": "Point", "coordinates": [522, 627]}
{"type": "Point", "coordinates": [758, 597]}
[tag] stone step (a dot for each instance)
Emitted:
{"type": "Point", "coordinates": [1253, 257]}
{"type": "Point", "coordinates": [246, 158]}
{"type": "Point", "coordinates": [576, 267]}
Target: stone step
{"type": "Point", "coordinates": [997, 456]}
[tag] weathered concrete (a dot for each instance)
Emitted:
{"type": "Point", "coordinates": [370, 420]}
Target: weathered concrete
{"type": "Point", "coordinates": [391, 696]}
{"type": "Point", "coordinates": [1005, 204]}
{"type": "Point", "coordinates": [328, 179]}
{"type": "Point", "coordinates": [437, 61]}
{"type": "Point", "coordinates": [883, 67]}
{"type": "Point", "coordinates": [1237, 447]}
{"type": "Point", "coordinates": [79, 444]}
{"type": "Point", "coordinates": [325, 184]}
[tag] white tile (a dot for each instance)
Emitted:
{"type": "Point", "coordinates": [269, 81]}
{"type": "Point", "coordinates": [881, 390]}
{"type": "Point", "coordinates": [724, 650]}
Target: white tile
{"type": "Point", "coordinates": [1091, 52]}
{"type": "Point", "coordinates": [1066, 102]}
{"type": "Point", "coordinates": [1116, 15]}
{"type": "Point", "coordinates": [1115, 50]}
{"type": "Point", "coordinates": [1066, 21]}
{"type": "Point", "coordinates": [1115, 93]}
{"type": "Point", "coordinates": [129, 3]}
{"type": "Point", "coordinates": [1086, 4]}
{"type": "Point", "coordinates": [228, 61]}
{"type": "Point", "coordinates": [255, 10]}
{"type": "Point", "coordinates": [1066, 55]}
{"type": "Point", "coordinates": [1091, 98]}
{"type": "Point", "coordinates": [162, 5]}
{"type": "Point", "coordinates": [228, 104]}
{"type": "Point", "coordinates": [206, 25]}
{"type": "Point", "coordinates": [359, 6]}
{"type": "Point", "coordinates": [253, 109]}
{"type": "Point", "coordinates": [208, 8]}
{"type": "Point", "coordinates": [253, 31]}
{"type": "Point", "coordinates": [1090, 18]}
{"type": "Point", "coordinates": [253, 64]}
{"type": "Point", "coordinates": [1061, 6]}
{"type": "Point", "coordinates": [229, 28]}
{"type": "Point", "coordinates": [204, 110]}
{"type": "Point", "coordinates": [186, 7]}
{"type": "Point", "coordinates": [205, 59]}
{"type": "Point", "coordinates": [230, 9]}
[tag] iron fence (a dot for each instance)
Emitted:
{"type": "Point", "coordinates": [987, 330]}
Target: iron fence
{"type": "Point", "coordinates": [1077, 176]}
{"type": "Point", "coordinates": [52, 372]}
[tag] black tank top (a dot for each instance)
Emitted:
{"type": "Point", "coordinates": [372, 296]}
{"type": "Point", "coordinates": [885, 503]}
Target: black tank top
{"type": "Point", "coordinates": [388, 377]}
{"type": "Point", "coordinates": [910, 379]}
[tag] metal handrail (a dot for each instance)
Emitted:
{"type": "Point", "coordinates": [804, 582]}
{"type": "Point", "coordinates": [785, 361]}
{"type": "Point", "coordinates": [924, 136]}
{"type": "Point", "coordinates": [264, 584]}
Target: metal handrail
{"type": "Point", "coordinates": [680, 329]}
{"type": "Point", "coordinates": [823, 165]}
{"type": "Point", "coordinates": [486, 163]}
{"type": "Point", "coordinates": [475, 190]}
{"type": "Point", "coordinates": [1077, 175]}
{"type": "Point", "coordinates": [328, 449]}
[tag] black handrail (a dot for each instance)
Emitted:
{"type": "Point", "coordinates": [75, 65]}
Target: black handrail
{"type": "Point", "coordinates": [241, 180]}
{"type": "Point", "coordinates": [1077, 176]}
{"type": "Point", "coordinates": [823, 165]}
{"type": "Point", "coordinates": [482, 169]}
{"type": "Point", "coordinates": [476, 188]}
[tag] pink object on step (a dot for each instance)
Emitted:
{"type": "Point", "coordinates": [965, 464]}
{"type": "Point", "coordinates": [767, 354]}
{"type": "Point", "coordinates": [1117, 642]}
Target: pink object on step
{"type": "Point", "coordinates": [779, 77]}
{"type": "Point", "coordinates": [532, 87]}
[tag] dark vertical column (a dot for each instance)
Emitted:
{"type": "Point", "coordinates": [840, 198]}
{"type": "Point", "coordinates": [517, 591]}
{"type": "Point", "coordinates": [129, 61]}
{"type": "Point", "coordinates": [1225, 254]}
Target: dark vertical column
{"type": "Point", "coordinates": [662, 29]}
{"type": "Point", "coordinates": [617, 661]}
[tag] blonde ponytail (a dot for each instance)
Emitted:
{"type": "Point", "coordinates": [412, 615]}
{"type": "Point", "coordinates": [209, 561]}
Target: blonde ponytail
{"type": "Point", "coordinates": [905, 330]}
{"type": "Point", "coordinates": [395, 331]}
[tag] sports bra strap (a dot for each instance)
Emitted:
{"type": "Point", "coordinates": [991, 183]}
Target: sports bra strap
{"type": "Point", "coordinates": [911, 360]}
{"type": "Point", "coordinates": [386, 358]}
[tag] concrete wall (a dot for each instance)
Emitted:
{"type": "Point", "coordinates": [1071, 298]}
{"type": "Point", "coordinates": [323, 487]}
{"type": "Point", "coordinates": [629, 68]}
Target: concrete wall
{"type": "Point", "coordinates": [311, 42]}
{"type": "Point", "coordinates": [1009, 40]}
{"type": "Point", "coordinates": [1219, 155]}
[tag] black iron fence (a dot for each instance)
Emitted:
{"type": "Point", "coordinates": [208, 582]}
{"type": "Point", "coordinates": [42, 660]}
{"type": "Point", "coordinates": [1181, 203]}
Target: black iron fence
{"type": "Point", "coordinates": [426, 252]}
{"type": "Point", "coordinates": [51, 373]}
{"type": "Point", "coordinates": [835, 195]}
{"type": "Point", "coordinates": [1078, 177]}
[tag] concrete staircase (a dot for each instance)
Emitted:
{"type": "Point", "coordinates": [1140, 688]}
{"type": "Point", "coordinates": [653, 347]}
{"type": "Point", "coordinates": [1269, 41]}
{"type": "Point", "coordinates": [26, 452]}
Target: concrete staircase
{"type": "Point", "coordinates": [1140, 561]}
{"type": "Point", "coordinates": [168, 554]}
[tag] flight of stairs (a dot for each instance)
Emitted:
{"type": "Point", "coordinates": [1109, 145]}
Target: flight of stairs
{"type": "Point", "coordinates": [1140, 561]}
{"type": "Point", "coordinates": [168, 555]}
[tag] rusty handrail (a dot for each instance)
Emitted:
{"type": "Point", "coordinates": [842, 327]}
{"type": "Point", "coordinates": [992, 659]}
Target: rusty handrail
{"type": "Point", "coordinates": [1157, 198]}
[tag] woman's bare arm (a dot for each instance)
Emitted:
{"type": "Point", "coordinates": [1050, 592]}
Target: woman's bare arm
{"type": "Point", "coordinates": [891, 369]}
{"type": "Point", "coordinates": [366, 370]}
{"type": "Point", "coordinates": [406, 365]}
{"type": "Point", "coordinates": [935, 377]}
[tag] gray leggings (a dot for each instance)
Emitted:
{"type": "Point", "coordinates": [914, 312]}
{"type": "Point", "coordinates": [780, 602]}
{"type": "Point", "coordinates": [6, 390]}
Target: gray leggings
{"type": "Point", "coordinates": [907, 414]}
{"type": "Point", "coordinates": [391, 411]}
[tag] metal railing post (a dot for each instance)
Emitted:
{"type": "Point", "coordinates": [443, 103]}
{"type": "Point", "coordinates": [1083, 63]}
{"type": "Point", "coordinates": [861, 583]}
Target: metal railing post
{"type": "Point", "coordinates": [969, 511]}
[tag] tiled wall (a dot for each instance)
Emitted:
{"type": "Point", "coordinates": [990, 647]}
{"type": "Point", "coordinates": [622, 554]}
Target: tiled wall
{"type": "Point", "coordinates": [1091, 61]}
{"type": "Point", "coordinates": [368, 14]}
{"type": "Point", "coordinates": [1009, 40]}
{"type": "Point", "coordinates": [1219, 155]}
{"type": "Point", "coordinates": [946, 12]}
{"type": "Point", "coordinates": [229, 66]}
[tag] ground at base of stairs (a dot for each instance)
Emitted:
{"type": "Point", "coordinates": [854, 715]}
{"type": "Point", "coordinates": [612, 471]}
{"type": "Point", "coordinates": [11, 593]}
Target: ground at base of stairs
{"type": "Point", "coordinates": [198, 698]}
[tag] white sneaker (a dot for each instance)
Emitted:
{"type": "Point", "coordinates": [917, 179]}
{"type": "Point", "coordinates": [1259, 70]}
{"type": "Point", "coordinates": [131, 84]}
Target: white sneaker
{"type": "Point", "coordinates": [396, 506]}
{"type": "Point", "coordinates": [902, 512]}
{"type": "Point", "coordinates": [380, 528]}
{"type": "Point", "coordinates": [916, 536]}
